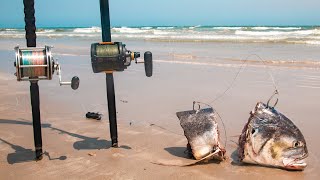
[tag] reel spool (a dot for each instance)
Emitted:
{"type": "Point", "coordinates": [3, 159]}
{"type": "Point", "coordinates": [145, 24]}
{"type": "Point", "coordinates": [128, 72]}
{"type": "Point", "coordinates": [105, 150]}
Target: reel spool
{"type": "Point", "coordinates": [33, 64]}
{"type": "Point", "coordinates": [114, 56]}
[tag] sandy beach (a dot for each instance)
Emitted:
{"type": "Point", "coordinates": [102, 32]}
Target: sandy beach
{"type": "Point", "coordinates": [149, 131]}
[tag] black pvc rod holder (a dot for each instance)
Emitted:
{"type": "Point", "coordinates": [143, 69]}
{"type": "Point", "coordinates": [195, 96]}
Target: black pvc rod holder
{"type": "Point", "coordinates": [35, 104]}
{"type": "Point", "coordinates": [112, 109]}
{"type": "Point", "coordinates": [106, 37]}
{"type": "Point", "coordinates": [31, 37]}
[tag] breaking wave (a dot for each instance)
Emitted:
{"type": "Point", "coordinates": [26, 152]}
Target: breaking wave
{"type": "Point", "coordinates": [260, 34]}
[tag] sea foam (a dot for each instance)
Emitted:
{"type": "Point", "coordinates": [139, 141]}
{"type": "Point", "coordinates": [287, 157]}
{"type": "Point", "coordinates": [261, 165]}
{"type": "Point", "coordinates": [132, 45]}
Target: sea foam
{"type": "Point", "coordinates": [242, 34]}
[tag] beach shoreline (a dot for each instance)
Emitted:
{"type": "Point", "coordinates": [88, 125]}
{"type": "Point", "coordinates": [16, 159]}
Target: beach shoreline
{"type": "Point", "coordinates": [148, 127]}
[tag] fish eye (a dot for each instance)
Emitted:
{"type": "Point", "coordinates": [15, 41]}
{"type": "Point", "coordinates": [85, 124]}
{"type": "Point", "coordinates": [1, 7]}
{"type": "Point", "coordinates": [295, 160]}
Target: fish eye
{"type": "Point", "coordinates": [297, 144]}
{"type": "Point", "coordinates": [253, 131]}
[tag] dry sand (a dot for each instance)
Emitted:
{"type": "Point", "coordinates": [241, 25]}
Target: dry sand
{"type": "Point", "coordinates": [149, 131]}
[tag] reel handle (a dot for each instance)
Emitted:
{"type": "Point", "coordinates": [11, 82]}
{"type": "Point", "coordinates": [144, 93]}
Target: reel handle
{"type": "Point", "coordinates": [148, 63]}
{"type": "Point", "coordinates": [75, 81]}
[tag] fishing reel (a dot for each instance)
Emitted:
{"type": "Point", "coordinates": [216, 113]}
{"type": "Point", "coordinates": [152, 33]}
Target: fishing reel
{"type": "Point", "coordinates": [36, 63]}
{"type": "Point", "coordinates": [114, 56]}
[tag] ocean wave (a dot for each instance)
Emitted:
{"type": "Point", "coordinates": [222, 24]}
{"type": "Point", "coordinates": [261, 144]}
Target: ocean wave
{"type": "Point", "coordinates": [228, 28]}
{"type": "Point", "coordinates": [130, 30]}
{"type": "Point", "coordinates": [10, 29]}
{"type": "Point", "coordinates": [276, 33]}
{"type": "Point", "coordinates": [45, 30]}
{"type": "Point", "coordinates": [87, 30]}
{"type": "Point", "coordinates": [313, 42]}
{"type": "Point", "coordinates": [169, 27]}
{"type": "Point", "coordinates": [193, 27]}
{"type": "Point", "coordinates": [275, 28]}
{"type": "Point", "coordinates": [146, 27]}
{"type": "Point", "coordinates": [157, 32]}
{"type": "Point", "coordinates": [70, 35]}
{"type": "Point", "coordinates": [260, 28]}
{"type": "Point", "coordinates": [286, 28]}
{"type": "Point", "coordinates": [260, 34]}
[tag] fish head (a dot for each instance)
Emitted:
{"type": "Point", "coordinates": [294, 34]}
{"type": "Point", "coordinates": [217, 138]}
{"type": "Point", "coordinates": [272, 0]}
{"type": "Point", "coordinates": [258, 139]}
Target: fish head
{"type": "Point", "coordinates": [290, 150]}
{"type": "Point", "coordinates": [273, 140]}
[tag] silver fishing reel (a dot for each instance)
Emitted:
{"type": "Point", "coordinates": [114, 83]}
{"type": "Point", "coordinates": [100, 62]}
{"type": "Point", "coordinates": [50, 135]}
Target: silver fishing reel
{"type": "Point", "coordinates": [37, 63]}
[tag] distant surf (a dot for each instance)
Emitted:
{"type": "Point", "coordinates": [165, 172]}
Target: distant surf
{"type": "Point", "coordinates": [247, 34]}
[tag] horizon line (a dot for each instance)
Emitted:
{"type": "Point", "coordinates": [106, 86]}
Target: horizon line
{"type": "Point", "coordinates": [42, 27]}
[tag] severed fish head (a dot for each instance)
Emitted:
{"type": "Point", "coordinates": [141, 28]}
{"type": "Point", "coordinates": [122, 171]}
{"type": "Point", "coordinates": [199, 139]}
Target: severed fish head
{"type": "Point", "coordinates": [271, 139]}
{"type": "Point", "coordinates": [201, 130]}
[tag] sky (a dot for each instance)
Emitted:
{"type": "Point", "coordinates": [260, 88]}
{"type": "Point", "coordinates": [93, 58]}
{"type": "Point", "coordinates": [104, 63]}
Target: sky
{"type": "Point", "coordinates": [86, 13]}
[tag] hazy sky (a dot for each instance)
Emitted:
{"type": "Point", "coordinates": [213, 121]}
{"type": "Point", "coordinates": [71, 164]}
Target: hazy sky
{"type": "Point", "coordinates": [71, 13]}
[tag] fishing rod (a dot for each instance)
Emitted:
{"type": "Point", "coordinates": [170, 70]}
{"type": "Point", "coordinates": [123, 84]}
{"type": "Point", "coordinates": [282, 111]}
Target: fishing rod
{"type": "Point", "coordinates": [33, 64]}
{"type": "Point", "coordinates": [107, 57]}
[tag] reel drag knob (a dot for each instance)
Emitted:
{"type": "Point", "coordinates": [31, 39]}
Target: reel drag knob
{"type": "Point", "coordinates": [135, 55]}
{"type": "Point", "coordinates": [148, 63]}
{"type": "Point", "coordinates": [75, 82]}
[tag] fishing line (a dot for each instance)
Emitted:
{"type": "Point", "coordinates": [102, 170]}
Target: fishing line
{"type": "Point", "coordinates": [106, 51]}
{"type": "Point", "coordinates": [151, 124]}
{"type": "Point", "coordinates": [31, 57]}
{"type": "Point", "coordinates": [243, 66]}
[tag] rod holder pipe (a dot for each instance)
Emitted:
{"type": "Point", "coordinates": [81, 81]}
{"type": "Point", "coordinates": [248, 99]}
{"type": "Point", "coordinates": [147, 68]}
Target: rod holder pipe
{"type": "Point", "coordinates": [36, 119]}
{"type": "Point", "coordinates": [112, 109]}
{"type": "Point", "coordinates": [106, 37]}
{"type": "Point", "coordinates": [31, 37]}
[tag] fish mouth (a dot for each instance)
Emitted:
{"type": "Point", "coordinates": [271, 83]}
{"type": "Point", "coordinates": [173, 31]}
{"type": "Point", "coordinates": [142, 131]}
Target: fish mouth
{"type": "Point", "coordinates": [299, 165]}
{"type": "Point", "coordinates": [295, 164]}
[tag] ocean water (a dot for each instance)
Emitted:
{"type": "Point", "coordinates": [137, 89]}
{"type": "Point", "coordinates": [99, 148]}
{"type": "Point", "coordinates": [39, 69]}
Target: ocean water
{"type": "Point", "coordinates": [286, 46]}
{"type": "Point", "coordinates": [263, 34]}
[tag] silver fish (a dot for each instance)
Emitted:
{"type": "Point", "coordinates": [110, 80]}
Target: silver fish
{"type": "Point", "coordinates": [201, 130]}
{"type": "Point", "coordinates": [271, 139]}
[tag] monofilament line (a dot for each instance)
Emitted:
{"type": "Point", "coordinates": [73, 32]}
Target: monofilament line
{"type": "Point", "coordinates": [243, 66]}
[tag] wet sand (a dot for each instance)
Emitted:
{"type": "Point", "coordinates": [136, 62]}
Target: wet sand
{"type": "Point", "coordinates": [149, 131]}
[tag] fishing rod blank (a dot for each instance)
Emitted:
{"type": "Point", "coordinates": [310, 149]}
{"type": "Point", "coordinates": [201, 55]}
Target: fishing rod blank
{"type": "Point", "coordinates": [34, 64]}
{"type": "Point", "coordinates": [107, 57]}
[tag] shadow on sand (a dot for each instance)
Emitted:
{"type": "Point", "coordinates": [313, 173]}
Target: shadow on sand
{"type": "Point", "coordinates": [235, 159]}
{"type": "Point", "coordinates": [88, 143]}
{"type": "Point", "coordinates": [178, 151]}
{"type": "Point", "coordinates": [182, 153]}
{"type": "Point", "coordinates": [24, 155]}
